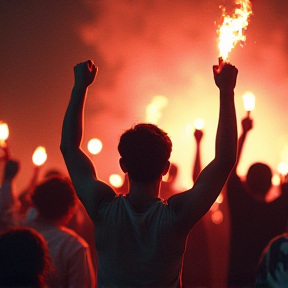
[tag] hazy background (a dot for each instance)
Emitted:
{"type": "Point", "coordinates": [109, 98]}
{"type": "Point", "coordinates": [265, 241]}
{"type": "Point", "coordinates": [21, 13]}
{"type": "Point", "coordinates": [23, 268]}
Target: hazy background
{"type": "Point", "coordinates": [143, 49]}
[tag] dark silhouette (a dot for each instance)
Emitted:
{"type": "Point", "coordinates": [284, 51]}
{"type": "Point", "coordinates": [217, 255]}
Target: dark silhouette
{"type": "Point", "coordinates": [24, 259]}
{"type": "Point", "coordinates": [140, 240]}
{"type": "Point", "coordinates": [79, 221]}
{"type": "Point", "coordinates": [9, 205]}
{"type": "Point", "coordinates": [25, 195]}
{"type": "Point", "coordinates": [254, 222]}
{"type": "Point", "coordinates": [273, 265]}
{"type": "Point", "coordinates": [27, 210]}
{"type": "Point", "coordinates": [197, 167]}
{"type": "Point", "coordinates": [55, 200]}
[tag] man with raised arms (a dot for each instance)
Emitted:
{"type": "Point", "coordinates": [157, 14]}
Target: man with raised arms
{"type": "Point", "coordinates": [140, 240]}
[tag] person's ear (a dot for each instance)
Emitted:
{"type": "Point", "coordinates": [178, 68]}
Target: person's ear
{"type": "Point", "coordinates": [122, 165]}
{"type": "Point", "coordinates": [166, 168]}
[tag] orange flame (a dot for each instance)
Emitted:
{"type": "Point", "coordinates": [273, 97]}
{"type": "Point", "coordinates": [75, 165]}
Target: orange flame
{"type": "Point", "coordinates": [4, 131]}
{"type": "Point", "coordinates": [39, 156]}
{"type": "Point", "coordinates": [232, 28]}
{"type": "Point", "coordinates": [249, 101]}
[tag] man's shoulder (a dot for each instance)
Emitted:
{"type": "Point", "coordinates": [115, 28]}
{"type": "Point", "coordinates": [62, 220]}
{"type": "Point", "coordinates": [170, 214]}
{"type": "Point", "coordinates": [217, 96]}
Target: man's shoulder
{"type": "Point", "coordinates": [59, 236]}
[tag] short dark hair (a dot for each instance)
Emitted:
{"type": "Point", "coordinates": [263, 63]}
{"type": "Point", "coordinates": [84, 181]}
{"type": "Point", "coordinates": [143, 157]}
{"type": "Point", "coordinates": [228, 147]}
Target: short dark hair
{"type": "Point", "coordinates": [54, 198]}
{"type": "Point", "coordinates": [145, 150]}
{"type": "Point", "coordinates": [24, 258]}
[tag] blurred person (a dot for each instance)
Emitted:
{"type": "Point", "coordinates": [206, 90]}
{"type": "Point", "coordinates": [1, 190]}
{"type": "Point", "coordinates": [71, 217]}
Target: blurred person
{"type": "Point", "coordinates": [140, 240]}
{"type": "Point", "coordinates": [9, 206]}
{"type": "Point", "coordinates": [79, 221]}
{"type": "Point", "coordinates": [25, 195]}
{"type": "Point", "coordinates": [272, 270]}
{"type": "Point", "coordinates": [24, 259]}
{"type": "Point", "coordinates": [253, 221]}
{"type": "Point", "coordinates": [27, 210]}
{"type": "Point", "coordinates": [55, 200]}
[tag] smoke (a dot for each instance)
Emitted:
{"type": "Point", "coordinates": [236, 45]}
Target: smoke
{"type": "Point", "coordinates": [168, 48]}
{"type": "Point", "coordinates": [143, 49]}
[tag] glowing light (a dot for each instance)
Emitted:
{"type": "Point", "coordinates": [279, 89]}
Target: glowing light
{"type": "Point", "coordinates": [153, 110]}
{"type": "Point", "coordinates": [199, 123]}
{"type": "Point", "coordinates": [283, 168]}
{"type": "Point", "coordinates": [249, 101]}
{"type": "Point", "coordinates": [217, 217]}
{"type": "Point", "coordinates": [39, 156]}
{"type": "Point", "coordinates": [115, 180]}
{"type": "Point", "coordinates": [4, 131]}
{"type": "Point", "coordinates": [275, 192]}
{"type": "Point", "coordinates": [232, 28]}
{"type": "Point", "coordinates": [214, 207]}
{"type": "Point", "coordinates": [94, 146]}
{"type": "Point", "coordinates": [276, 180]}
{"type": "Point", "coordinates": [219, 198]}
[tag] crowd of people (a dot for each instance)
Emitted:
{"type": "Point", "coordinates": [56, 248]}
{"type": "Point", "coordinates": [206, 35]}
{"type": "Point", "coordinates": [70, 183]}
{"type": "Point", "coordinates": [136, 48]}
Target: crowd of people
{"type": "Point", "coordinates": [145, 233]}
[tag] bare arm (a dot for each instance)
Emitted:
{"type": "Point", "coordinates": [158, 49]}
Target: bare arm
{"type": "Point", "coordinates": [194, 203]}
{"type": "Point", "coordinates": [33, 182]}
{"type": "Point", "coordinates": [9, 205]}
{"type": "Point", "coordinates": [89, 189]}
{"type": "Point", "coordinates": [198, 134]}
{"type": "Point", "coordinates": [247, 125]}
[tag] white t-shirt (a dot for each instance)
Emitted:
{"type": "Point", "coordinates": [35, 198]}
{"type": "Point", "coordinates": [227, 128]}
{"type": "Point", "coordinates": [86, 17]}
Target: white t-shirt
{"type": "Point", "coordinates": [138, 249]}
{"type": "Point", "coordinates": [70, 255]}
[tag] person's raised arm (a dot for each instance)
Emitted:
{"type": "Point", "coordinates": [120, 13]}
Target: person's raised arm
{"type": "Point", "coordinates": [195, 202]}
{"type": "Point", "coordinates": [9, 205]}
{"type": "Point", "coordinates": [198, 134]}
{"type": "Point", "coordinates": [81, 170]}
{"type": "Point", "coordinates": [247, 125]}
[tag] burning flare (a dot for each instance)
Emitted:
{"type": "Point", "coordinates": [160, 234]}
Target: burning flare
{"type": "Point", "coordinates": [39, 156]}
{"type": "Point", "coordinates": [4, 131]}
{"type": "Point", "coordinates": [199, 123]}
{"type": "Point", "coordinates": [231, 31]}
{"type": "Point", "coordinates": [249, 101]}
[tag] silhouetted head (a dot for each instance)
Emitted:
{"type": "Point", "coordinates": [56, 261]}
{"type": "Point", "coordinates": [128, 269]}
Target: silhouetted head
{"type": "Point", "coordinates": [53, 172]}
{"type": "Point", "coordinates": [274, 255]}
{"type": "Point", "coordinates": [258, 179]}
{"type": "Point", "coordinates": [24, 258]}
{"type": "Point", "coordinates": [55, 198]}
{"type": "Point", "coordinates": [145, 150]}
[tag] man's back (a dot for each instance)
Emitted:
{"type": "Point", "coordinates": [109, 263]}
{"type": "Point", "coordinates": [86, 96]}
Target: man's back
{"type": "Point", "coordinates": [152, 243]}
{"type": "Point", "coordinates": [133, 245]}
